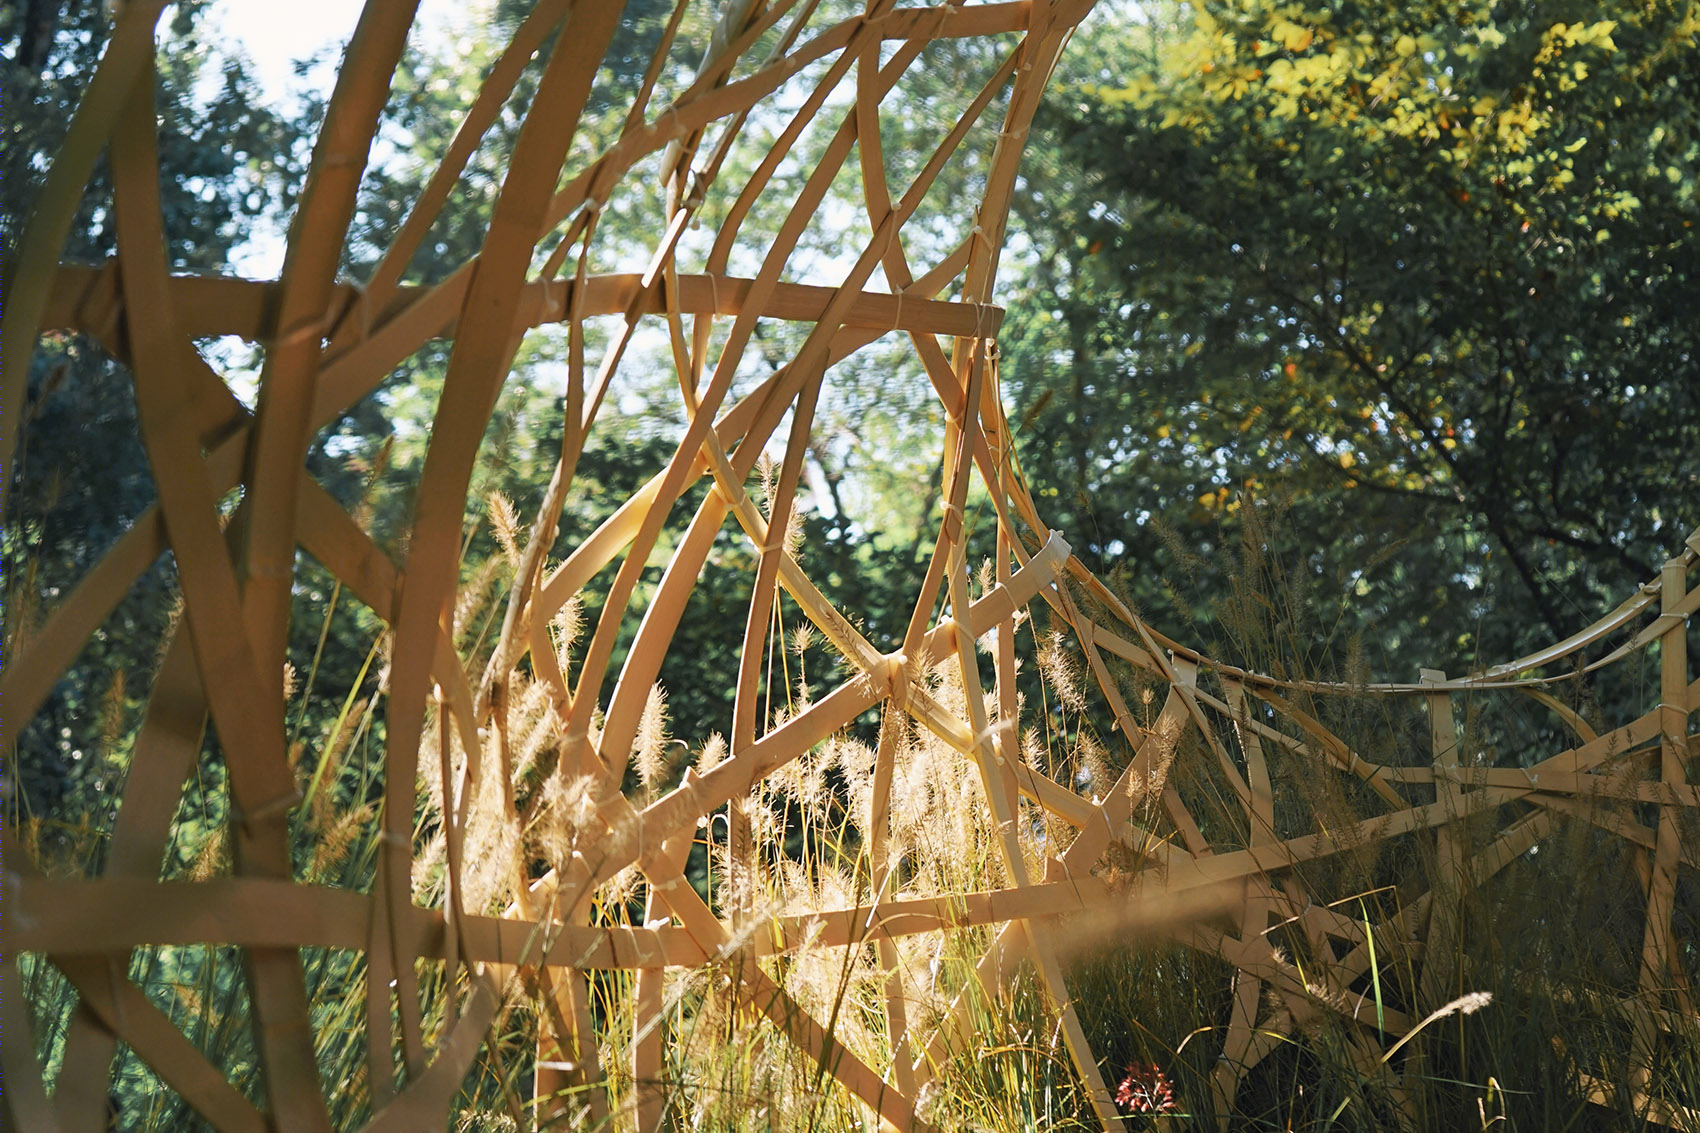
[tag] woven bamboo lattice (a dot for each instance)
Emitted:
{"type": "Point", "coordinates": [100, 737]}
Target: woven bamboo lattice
{"type": "Point", "coordinates": [1141, 853]}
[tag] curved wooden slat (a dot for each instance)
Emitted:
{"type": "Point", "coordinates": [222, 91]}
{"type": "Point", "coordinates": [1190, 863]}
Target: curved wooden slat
{"type": "Point", "coordinates": [128, 56]}
{"type": "Point", "coordinates": [1198, 839]}
{"type": "Point", "coordinates": [249, 721]}
{"type": "Point", "coordinates": [86, 299]}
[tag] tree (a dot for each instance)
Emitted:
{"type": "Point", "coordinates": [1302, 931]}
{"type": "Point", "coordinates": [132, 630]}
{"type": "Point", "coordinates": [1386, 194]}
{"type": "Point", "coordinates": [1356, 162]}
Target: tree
{"type": "Point", "coordinates": [1422, 272]}
{"type": "Point", "coordinates": [82, 478]}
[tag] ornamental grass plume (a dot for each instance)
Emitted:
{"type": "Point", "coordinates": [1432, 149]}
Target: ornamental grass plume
{"type": "Point", "coordinates": [653, 749]}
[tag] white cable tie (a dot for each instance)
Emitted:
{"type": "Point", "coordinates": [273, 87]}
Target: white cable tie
{"type": "Point", "coordinates": [990, 733]}
{"type": "Point", "coordinates": [698, 191]}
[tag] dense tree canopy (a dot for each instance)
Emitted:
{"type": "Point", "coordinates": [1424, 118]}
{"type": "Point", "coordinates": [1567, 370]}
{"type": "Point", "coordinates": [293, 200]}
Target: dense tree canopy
{"type": "Point", "coordinates": [81, 476]}
{"type": "Point", "coordinates": [1425, 273]}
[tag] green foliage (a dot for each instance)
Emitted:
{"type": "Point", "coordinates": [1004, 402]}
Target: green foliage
{"type": "Point", "coordinates": [81, 477]}
{"type": "Point", "coordinates": [1418, 281]}
{"type": "Point", "coordinates": [1421, 272]}
{"type": "Point", "coordinates": [225, 158]}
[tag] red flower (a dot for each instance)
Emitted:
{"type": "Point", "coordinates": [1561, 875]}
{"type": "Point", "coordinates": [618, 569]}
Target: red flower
{"type": "Point", "coordinates": [1146, 1089]}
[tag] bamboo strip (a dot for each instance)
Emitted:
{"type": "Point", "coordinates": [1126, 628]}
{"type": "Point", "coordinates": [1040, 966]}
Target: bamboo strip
{"type": "Point", "coordinates": [165, 750]}
{"type": "Point", "coordinates": [25, 1100]}
{"type": "Point", "coordinates": [1238, 1044]}
{"type": "Point", "coordinates": [1070, 877]}
{"type": "Point", "coordinates": [648, 1028]}
{"type": "Point", "coordinates": [127, 60]}
{"type": "Point", "coordinates": [1613, 822]}
{"type": "Point", "coordinates": [132, 1018]}
{"type": "Point", "coordinates": [1658, 940]}
{"type": "Point", "coordinates": [498, 84]}
{"type": "Point", "coordinates": [1175, 868]}
{"type": "Point", "coordinates": [693, 110]}
{"type": "Point", "coordinates": [78, 920]}
{"type": "Point", "coordinates": [317, 233]}
{"type": "Point", "coordinates": [426, 1098]}
{"type": "Point", "coordinates": [1446, 884]}
{"type": "Point", "coordinates": [476, 367]}
{"type": "Point", "coordinates": [811, 353]}
{"type": "Point", "coordinates": [250, 723]}
{"type": "Point", "coordinates": [621, 528]}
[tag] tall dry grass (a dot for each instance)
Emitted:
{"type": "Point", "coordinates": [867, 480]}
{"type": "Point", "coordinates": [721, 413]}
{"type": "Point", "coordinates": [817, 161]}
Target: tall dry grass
{"type": "Point", "coordinates": [1553, 941]}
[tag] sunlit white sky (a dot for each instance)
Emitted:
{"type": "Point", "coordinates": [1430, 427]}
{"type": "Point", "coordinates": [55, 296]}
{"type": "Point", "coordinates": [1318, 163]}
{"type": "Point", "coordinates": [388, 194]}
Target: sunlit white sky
{"type": "Point", "coordinates": [275, 34]}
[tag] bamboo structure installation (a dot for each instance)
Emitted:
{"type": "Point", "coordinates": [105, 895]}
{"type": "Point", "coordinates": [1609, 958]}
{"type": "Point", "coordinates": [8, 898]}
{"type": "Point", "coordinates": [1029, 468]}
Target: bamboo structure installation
{"type": "Point", "coordinates": [1142, 852]}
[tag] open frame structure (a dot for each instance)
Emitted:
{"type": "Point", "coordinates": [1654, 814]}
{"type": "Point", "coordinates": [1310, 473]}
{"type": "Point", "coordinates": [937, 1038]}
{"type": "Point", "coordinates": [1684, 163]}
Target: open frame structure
{"type": "Point", "coordinates": [1141, 852]}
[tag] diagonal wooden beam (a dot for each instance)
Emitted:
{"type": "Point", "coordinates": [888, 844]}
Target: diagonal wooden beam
{"type": "Point", "coordinates": [121, 72]}
{"type": "Point", "coordinates": [249, 722]}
